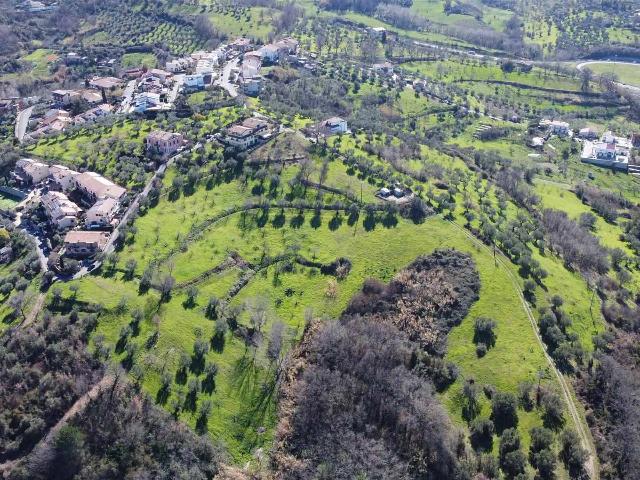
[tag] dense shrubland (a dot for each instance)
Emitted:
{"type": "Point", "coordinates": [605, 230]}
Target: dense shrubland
{"type": "Point", "coordinates": [358, 399]}
{"type": "Point", "coordinates": [122, 434]}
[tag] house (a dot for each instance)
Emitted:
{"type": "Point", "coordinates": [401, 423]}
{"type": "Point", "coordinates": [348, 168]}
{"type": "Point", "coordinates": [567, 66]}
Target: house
{"type": "Point", "coordinates": [240, 44]}
{"type": "Point", "coordinates": [269, 53]}
{"type": "Point", "coordinates": [384, 192]}
{"type": "Point", "coordinates": [94, 187]}
{"type": "Point", "coordinates": [163, 75]}
{"type": "Point", "coordinates": [240, 137]}
{"type": "Point", "coordinates": [587, 134]}
{"type": "Point", "coordinates": [287, 46]}
{"type": "Point", "coordinates": [64, 97]}
{"type": "Point", "coordinates": [132, 73]}
{"type": "Point", "coordinates": [536, 142]}
{"type": "Point", "coordinates": [610, 151]}
{"type": "Point", "coordinates": [179, 64]}
{"type": "Point", "coordinates": [63, 177]}
{"type": "Point", "coordinates": [256, 125]}
{"type": "Point", "coordinates": [398, 192]}
{"type": "Point", "coordinates": [146, 101]}
{"type": "Point", "coordinates": [90, 96]}
{"type": "Point", "coordinates": [252, 86]}
{"type": "Point", "coordinates": [193, 82]}
{"type": "Point", "coordinates": [334, 125]}
{"type": "Point", "coordinates": [105, 83]}
{"type": "Point", "coordinates": [163, 143]}
{"type": "Point", "coordinates": [55, 114]}
{"type": "Point", "coordinates": [30, 171]}
{"type": "Point", "coordinates": [82, 244]}
{"type": "Point", "coordinates": [386, 68]}
{"type": "Point", "coordinates": [562, 129]}
{"type": "Point", "coordinates": [102, 213]}
{"type": "Point", "coordinates": [62, 212]}
{"type": "Point", "coordinates": [251, 66]}
{"type": "Point", "coordinates": [379, 32]}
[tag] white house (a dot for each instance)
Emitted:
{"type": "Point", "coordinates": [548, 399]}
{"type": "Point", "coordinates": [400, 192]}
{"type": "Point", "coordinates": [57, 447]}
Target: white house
{"type": "Point", "coordinates": [334, 125]}
{"type": "Point", "coordinates": [240, 137]}
{"type": "Point", "coordinates": [252, 86]}
{"type": "Point", "coordinates": [194, 82]}
{"type": "Point", "coordinates": [269, 53]}
{"type": "Point", "coordinates": [61, 211]}
{"type": "Point", "coordinates": [146, 101]}
{"type": "Point", "coordinates": [102, 213]}
{"type": "Point", "coordinates": [562, 129]}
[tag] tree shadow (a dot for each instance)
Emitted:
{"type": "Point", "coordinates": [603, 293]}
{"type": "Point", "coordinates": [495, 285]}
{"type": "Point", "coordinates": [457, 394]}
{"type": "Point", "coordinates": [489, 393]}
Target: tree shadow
{"type": "Point", "coordinates": [336, 222]}
{"type": "Point", "coordinates": [181, 376]}
{"type": "Point", "coordinates": [369, 222]}
{"type": "Point", "coordinates": [353, 218]}
{"type": "Point", "coordinates": [297, 221]}
{"type": "Point", "coordinates": [197, 364]}
{"type": "Point", "coordinates": [209, 384]}
{"type": "Point", "coordinates": [390, 220]}
{"type": "Point", "coordinates": [316, 220]}
{"type": "Point", "coordinates": [217, 342]}
{"type": "Point", "coordinates": [202, 424]}
{"type": "Point", "coordinates": [279, 220]}
{"type": "Point", "coordinates": [163, 394]}
{"type": "Point", "coordinates": [263, 218]}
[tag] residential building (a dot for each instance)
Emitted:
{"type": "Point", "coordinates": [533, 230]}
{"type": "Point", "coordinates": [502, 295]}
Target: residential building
{"type": "Point", "coordinates": [258, 126]}
{"type": "Point", "coordinates": [55, 115]}
{"type": "Point", "coordinates": [269, 53]}
{"type": "Point", "coordinates": [64, 97]}
{"type": "Point", "coordinates": [178, 65]}
{"type": "Point", "coordinates": [163, 143]}
{"type": "Point", "coordinates": [241, 44]}
{"type": "Point", "coordinates": [334, 125]}
{"type": "Point", "coordinates": [240, 137]}
{"type": "Point", "coordinates": [30, 171]}
{"type": "Point", "coordinates": [62, 212]}
{"type": "Point", "coordinates": [63, 177]}
{"type": "Point", "coordinates": [105, 83]}
{"type": "Point", "coordinates": [82, 244]}
{"type": "Point", "coordinates": [146, 101]}
{"type": "Point", "coordinates": [386, 68]}
{"type": "Point", "coordinates": [379, 32]}
{"type": "Point", "coordinates": [588, 134]}
{"type": "Point", "coordinates": [193, 82]}
{"type": "Point", "coordinates": [252, 86]}
{"type": "Point", "coordinates": [610, 151]}
{"type": "Point", "coordinates": [91, 96]}
{"type": "Point", "coordinates": [94, 187]}
{"type": "Point", "coordinates": [102, 213]}
{"type": "Point", "coordinates": [163, 75]}
{"type": "Point", "coordinates": [287, 46]}
{"type": "Point", "coordinates": [562, 129]}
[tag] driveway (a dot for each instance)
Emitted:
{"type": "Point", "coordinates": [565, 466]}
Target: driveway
{"type": "Point", "coordinates": [22, 121]}
{"type": "Point", "coordinates": [224, 80]}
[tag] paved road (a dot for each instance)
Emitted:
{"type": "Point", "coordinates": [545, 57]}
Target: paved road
{"type": "Point", "coordinates": [224, 81]}
{"type": "Point", "coordinates": [22, 121]}
{"type": "Point", "coordinates": [127, 97]}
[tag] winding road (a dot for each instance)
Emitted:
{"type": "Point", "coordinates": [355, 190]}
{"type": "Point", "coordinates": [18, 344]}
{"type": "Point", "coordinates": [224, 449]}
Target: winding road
{"type": "Point", "coordinates": [633, 88]}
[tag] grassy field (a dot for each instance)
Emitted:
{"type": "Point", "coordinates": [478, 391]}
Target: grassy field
{"type": "Point", "coordinates": [626, 73]}
{"type": "Point", "coordinates": [7, 203]}
{"type": "Point", "coordinates": [138, 59]}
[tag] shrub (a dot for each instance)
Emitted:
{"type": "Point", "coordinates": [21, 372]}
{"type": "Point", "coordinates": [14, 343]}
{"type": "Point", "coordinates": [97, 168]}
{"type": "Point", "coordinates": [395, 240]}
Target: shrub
{"type": "Point", "coordinates": [503, 411]}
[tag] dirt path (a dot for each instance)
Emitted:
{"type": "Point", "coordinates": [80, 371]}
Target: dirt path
{"type": "Point", "coordinates": [76, 408]}
{"type": "Point", "coordinates": [566, 389]}
{"type": "Point", "coordinates": [35, 310]}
